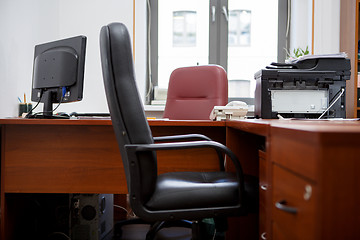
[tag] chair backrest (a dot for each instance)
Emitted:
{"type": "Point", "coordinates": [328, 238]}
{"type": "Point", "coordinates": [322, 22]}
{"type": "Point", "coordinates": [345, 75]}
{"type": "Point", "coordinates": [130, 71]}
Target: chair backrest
{"type": "Point", "coordinates": [126, 110]}
{"type": "Point", "coordinates": [194, 91]}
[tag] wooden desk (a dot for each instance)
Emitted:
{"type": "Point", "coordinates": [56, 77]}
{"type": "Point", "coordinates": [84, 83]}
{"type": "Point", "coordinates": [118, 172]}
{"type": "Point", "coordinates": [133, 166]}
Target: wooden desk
{"type": "Point", "coordinates": [81, 156]}
{"type": "Point", "coordinates": [78, 156]}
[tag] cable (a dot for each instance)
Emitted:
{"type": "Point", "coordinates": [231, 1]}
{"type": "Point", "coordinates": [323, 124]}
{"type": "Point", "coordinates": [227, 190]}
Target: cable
{"type": "Point", "coordinates": [288, 19]}
{"type": "Point", "coordinates": [130, 214]}
{"type": "Point", "coordinates": [118, 206]}
{"type": "Point", "coordinates": [29, 113]}
{"type": "Point", "coordinates": [38, 113]}
{"type": "Point", "coordinates": [61, 99]}
{"type": "Point", "coordinates": [335, 96]}
{"type": "Point", "coordinates": [342, 92]}
{"type": "Point", "coordinates": [214, 235]}
{"type": "Point", "coordinates": [59, 234]}
{"type": "Point", "coordinates": [149, 50]}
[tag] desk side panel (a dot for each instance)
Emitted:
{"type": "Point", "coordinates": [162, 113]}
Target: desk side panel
{"type": "Point", "coordinates": [2, 194]}
{"type": "Point", "coordinates": [62, 159]}
{"type": "Point", "coordinates": [245, 144]}
{"type": "Point", "coordinates": [339, 183]}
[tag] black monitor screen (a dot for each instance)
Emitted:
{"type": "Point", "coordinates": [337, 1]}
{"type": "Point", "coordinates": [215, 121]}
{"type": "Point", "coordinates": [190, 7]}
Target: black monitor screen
{"type": "Point", "coordinates": [58, 73]}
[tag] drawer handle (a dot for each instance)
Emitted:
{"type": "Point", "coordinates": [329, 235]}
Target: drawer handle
{"type": "Point", "coordinates": [308, 192]}
{"type": "Point", "coordinates": [263, 236]}
{"type": "Point", "coordinates": [281, 205]}
{"type": "Point", "coordinates": [263, 187]}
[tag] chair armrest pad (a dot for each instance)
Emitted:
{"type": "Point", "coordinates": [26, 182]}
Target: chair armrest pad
{"type": "Point", "coordinates": [176, 145]}
{"type": "Point", "coordinates": [182, 137]}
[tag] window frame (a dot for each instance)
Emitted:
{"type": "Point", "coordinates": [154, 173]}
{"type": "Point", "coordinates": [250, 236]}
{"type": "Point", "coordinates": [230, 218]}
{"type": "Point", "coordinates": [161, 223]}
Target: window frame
{"type": "Point", "coordinates": [218, 41]}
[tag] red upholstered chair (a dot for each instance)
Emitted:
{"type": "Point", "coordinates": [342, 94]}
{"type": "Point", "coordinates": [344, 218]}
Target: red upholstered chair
{"type": "Point", "coordinates": [194, 91]}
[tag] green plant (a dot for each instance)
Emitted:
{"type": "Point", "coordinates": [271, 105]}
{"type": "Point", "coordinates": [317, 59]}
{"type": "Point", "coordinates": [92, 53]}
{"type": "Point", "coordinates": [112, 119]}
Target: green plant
{"type": "Point", "coordinates": [297, 52]}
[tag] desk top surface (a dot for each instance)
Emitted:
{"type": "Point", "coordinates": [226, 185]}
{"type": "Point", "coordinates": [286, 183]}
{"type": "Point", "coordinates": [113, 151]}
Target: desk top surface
{"type": "Point", "coordinates": [95, 121]}
{"type": "Point", "coordinates": [258, 126]}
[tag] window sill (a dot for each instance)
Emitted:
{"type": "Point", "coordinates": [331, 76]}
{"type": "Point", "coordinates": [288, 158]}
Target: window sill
{"type": "Point", "coordinates": [154, 111]}
{"type": "Point", "coordinates": [157, 111]}
{"type": "Point", "coordinates": [157, 108]}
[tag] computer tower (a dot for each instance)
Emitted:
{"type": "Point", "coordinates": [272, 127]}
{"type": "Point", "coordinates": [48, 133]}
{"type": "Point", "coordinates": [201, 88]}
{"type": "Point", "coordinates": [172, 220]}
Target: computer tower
{"type": "Point", "coordinates": [91, 216]}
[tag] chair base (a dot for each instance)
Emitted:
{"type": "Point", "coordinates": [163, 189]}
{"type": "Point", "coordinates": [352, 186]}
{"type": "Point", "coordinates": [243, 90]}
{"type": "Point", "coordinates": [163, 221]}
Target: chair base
{"type": "Point", "coordinates": [156, 227]}
{"type": "Point", "coordinates": [134, 229]}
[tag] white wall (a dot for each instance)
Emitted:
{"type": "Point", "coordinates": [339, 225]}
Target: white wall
{"type": "Point", "coordinates": [300, 25]}
{"type": "Point", "coordinates": [23, 24]}
{"type": "Point", "coordinates": [82, 17]}
{"type": "Point", "coordinates": [327, 26]}
{"type": "Point", "coordinates": [140, 45]}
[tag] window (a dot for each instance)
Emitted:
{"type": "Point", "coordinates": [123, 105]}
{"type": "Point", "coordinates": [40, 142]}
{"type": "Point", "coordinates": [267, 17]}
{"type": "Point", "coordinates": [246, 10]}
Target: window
{"type": "Point", "coordinates": [239, 28]}
{"type": "Point", "coordinates": [242, 36]}
{"type": "Point", "coordinates": [184, 28]}
{"type": "Point", "coordinates": [182, 37]}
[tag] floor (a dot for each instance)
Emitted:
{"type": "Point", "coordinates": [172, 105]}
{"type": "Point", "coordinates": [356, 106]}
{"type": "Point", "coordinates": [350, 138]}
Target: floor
{"type": "Point", "coordinates": [138, 232]}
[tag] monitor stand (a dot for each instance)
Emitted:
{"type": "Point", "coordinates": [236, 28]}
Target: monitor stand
{"type": "Point", "coordinates": [47, 113]}
{"type": "Point", "coordinates": [41, 116]}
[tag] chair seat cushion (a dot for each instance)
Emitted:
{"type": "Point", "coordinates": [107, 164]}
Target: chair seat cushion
{"type": "Point", "coordinates": [187, 190]}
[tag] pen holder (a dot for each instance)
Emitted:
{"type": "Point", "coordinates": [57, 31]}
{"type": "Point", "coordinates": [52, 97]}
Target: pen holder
{"type": "Point", "coordinates": [24, 108]}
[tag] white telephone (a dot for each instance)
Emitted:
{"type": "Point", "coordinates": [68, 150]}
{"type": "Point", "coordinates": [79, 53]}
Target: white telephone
{"type": "Point", "coordinates": [233, 110]}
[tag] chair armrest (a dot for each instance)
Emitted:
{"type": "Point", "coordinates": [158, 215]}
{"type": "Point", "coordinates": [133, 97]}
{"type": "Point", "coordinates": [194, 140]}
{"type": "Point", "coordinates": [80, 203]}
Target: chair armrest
{"type": "Point", "coordinates": [181, 138]}
{"type": "Point", "coordinates": [191, 137]}
{"type": "Point", "coordinates": [132, 149]}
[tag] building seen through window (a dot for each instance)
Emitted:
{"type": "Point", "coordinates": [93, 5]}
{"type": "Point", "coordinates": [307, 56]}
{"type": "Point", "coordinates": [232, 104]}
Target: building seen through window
{"type": "Point", "coordinates": [239, 27]}
{"type": "Point", "coordinates": [184, 28]}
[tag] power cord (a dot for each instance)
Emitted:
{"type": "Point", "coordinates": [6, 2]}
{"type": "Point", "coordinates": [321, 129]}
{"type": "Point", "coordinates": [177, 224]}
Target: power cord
{"type": "Point", "coordinates": [131, 214]}
{"type": "Point", "coordinates": [55, 235]}
{"type": "Point", "coordinates": [29, 115]}
{"type": "Point", "coordinates": [338, 97]}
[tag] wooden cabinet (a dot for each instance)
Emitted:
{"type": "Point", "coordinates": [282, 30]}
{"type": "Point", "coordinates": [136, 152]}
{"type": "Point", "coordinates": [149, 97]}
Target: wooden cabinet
{"type": "Point", "coordinates": [349, 37]}
{"type": "Point", "coordinates": [308, 177]}
{"type": "Point", "coordinates": [315, 183]}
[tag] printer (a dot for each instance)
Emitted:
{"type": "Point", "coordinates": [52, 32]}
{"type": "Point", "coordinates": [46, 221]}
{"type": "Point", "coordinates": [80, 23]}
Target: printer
{"type": "Point", "coordinates": [311, 86]}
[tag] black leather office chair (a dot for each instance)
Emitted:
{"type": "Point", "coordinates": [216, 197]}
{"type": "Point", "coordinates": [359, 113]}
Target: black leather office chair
{"type": "Point", "coordinates": [170, 196]}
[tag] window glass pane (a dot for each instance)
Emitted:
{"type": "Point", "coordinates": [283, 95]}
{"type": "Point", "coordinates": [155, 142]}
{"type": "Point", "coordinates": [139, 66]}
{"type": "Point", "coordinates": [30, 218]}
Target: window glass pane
{"type": "Point", "coordinates": [183, 36]}
{"type": "Point", "coordinates": [239, 27]}
{"type": "Point", "coordinates": [184, 29]}
{"type": "Point", "coordinates": [253, 31]}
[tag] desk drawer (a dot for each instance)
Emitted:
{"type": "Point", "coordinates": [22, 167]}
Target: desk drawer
{"type": "Point", "coordinates": [295, 152]}
{"type": "Point", "coordinates": [293, 205]}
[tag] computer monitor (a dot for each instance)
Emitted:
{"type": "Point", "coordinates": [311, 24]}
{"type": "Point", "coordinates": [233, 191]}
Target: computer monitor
{"type": "Point", "coordinates": [58, 73]}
